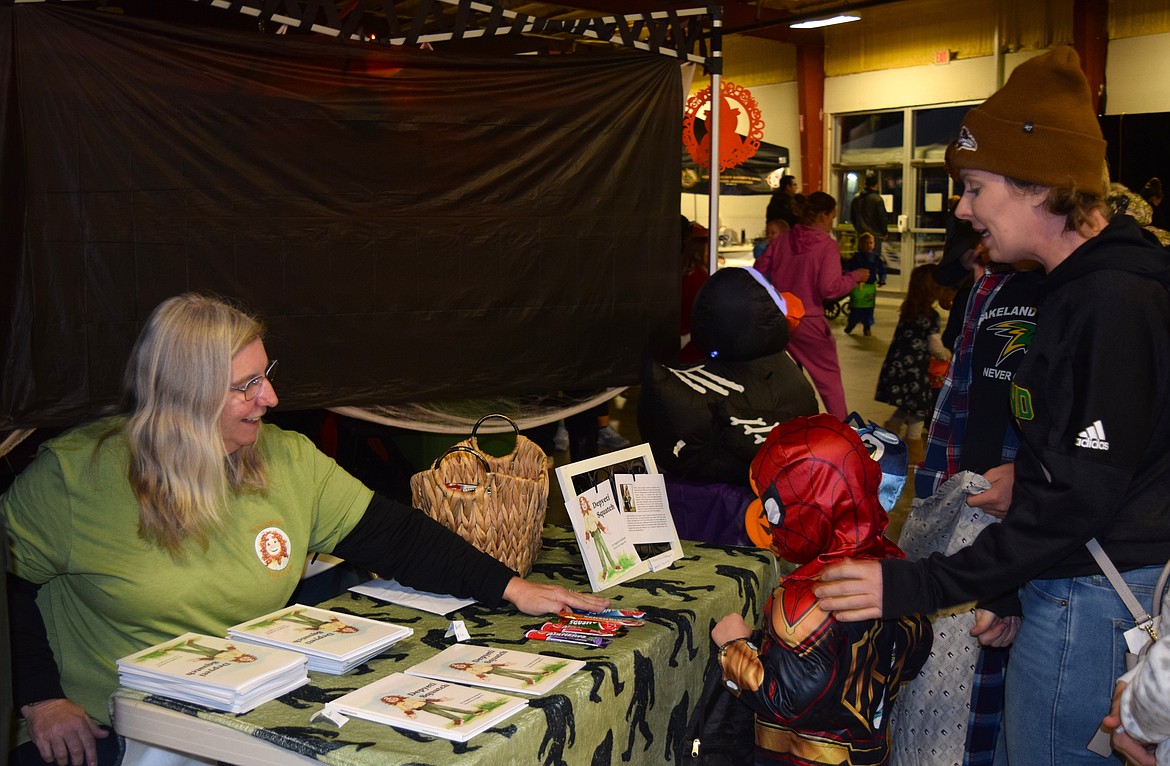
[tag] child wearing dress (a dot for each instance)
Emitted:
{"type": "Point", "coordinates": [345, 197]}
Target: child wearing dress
{"type": "Point", "coordinates": [904, 380]}
{"type": "Point", "coordinates": [864, 294]}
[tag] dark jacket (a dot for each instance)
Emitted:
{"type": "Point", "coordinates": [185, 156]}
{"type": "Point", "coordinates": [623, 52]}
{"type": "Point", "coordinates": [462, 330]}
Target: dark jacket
{"type": "Point", "coordinates": [780, 208]}
{"type": "Point", "coordinates": [868, 214]}
{"type": "Point", "coordinates": [1092, 399]}
{"type": "Point", "coordinates": [871, 260]}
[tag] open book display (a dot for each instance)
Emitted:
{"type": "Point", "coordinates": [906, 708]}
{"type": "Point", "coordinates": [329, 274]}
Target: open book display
{"type": "Point", "coordinates": [213, 672]}
{"type": "Point", "coordinates": [334, 642]}
{"type": "Point", "coordinates": [437, 708]}
{"type": "Point", "coordinates": [504, 669]}
{"type": "Point", "coordinates": [621, 517]}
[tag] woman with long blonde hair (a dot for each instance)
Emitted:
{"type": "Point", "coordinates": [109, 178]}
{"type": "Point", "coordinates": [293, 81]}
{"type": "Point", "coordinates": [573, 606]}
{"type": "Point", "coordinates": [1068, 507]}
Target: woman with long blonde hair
{"type": "Point", "coordinates": [189, 513]}
{"type": "Point", "coordinates": [174, 390]}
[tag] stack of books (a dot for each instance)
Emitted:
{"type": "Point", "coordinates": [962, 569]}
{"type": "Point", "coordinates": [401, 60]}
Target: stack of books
{"type": "Point", "coordinates": [213, 672]}
{"type": "Point", "coordinates": [436, 708]}
{"type": "Point", "coordinates": [334, 642]}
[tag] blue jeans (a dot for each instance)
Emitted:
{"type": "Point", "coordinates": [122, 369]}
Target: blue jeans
{"type": "Point", "coordinates": [1064, 665]}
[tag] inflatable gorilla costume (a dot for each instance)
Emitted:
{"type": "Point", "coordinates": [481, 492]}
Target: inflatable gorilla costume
{"type": "Point", "coordinates": [706, 421]}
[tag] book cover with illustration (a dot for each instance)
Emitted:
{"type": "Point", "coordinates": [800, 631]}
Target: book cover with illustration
{"type": "Point", "coordinates": [504, 669]}
{"type": "Point", "coordinates": [213, 671]}
{"type": "Point", "coordinates": [438, 708]}
{"type": "Point", "coordinates": [334, 642]}
{"type": "Point", "coordinates": [620, 513]}
{"type": "Point", "coordinates": [604, 538]}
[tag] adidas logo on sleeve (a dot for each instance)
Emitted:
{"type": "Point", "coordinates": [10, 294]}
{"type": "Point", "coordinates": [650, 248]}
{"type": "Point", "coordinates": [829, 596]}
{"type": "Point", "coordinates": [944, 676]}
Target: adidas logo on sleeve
{"type": "Point", "coordinates": [1093, 437]}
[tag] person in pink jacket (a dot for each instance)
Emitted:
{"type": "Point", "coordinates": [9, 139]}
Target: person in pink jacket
{"type": "Point", "coordinates": [806, 262]}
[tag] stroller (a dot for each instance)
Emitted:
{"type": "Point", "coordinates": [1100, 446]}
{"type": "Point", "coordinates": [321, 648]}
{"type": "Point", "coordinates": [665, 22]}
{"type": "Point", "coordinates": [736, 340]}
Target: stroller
{"type": "Point", "coordinates": [835, 308]}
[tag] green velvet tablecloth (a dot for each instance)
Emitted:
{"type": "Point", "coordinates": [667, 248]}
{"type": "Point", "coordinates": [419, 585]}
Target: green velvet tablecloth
{"type": "Point", "coordinates": [629, 705]}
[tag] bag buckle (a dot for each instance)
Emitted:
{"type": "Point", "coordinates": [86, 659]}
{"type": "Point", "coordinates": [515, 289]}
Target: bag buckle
{"type": "Point", "coordinates": [1140, 636]}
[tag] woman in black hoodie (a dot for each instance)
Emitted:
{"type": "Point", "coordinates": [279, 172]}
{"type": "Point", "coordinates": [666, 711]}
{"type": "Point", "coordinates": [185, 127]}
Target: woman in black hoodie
{"type": "Point", "coordinates": [1092, 400]}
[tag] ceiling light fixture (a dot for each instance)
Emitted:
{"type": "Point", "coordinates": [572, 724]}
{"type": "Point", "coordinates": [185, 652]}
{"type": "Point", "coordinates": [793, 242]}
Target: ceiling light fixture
{"type": "Point", "coordinates": [814, 23]}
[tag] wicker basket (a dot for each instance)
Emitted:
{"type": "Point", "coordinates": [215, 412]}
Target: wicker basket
{"type": "Point", "coordinates": [497, 504]}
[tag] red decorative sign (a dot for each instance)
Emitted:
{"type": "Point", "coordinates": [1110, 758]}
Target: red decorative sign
{"type": "Point", "coordinates": [736, 107]}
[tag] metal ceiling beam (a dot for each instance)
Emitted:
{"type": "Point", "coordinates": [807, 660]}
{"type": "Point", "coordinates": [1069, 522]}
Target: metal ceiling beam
{"type": "Point", "coordinates": [683, 33]}
{"type": "Point", "coordinates": [741, 19]}
{"type": "Point", "coordinates": [749, 16]}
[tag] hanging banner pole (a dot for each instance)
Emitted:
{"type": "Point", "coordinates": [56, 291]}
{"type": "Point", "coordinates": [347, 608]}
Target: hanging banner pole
{"type": "Point", "coordinates": [715, 67]}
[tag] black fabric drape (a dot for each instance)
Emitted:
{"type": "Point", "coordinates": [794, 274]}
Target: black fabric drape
{"type": "Point", "coordinates": [412, 225]}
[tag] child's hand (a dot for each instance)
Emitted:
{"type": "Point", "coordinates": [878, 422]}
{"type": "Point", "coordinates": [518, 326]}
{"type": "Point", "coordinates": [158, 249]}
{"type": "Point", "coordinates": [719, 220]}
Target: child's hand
{"type": "Point", "coordinates": [730, 628]}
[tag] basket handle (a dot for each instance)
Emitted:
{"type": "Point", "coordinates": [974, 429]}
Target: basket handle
{"type": "Point", "coordinates": [460, 448]}
{"type": "Point", "coordinates": [478, 423]}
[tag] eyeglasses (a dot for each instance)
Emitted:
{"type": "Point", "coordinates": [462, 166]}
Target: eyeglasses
{"type": "Point", "coordinates": [253, 387]}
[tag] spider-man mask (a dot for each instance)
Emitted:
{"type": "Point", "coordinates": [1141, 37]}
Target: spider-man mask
{"type": "Point", "coordinates": [819, 488]}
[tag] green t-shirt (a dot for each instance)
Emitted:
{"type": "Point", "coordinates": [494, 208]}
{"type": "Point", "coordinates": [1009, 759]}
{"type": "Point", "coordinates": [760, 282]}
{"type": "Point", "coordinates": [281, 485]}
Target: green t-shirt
{"type": "Point", "coordinates": [73, 527]}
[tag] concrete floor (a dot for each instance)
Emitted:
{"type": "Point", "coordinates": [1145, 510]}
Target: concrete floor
{"type": "Point", "coordinates": [861, 359]}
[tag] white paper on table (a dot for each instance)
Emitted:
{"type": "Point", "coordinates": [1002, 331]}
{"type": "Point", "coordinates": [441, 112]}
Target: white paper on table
{"type": "Point", "coordinates": [397, 593]}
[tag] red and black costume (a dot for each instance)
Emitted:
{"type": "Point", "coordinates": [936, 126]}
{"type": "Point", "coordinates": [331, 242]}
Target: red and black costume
{"type": "Point", "coordinates": [820, 688]}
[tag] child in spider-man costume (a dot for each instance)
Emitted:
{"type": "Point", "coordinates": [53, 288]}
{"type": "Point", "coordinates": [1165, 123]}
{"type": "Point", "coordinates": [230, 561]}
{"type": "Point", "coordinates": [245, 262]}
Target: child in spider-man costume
{"type": "Point", "coordinates": [820, 688]}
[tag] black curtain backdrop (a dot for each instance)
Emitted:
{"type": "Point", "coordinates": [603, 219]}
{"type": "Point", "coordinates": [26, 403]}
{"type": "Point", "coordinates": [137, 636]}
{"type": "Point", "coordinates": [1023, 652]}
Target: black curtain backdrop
{"type": "Point", "coordinates": [412, 225]}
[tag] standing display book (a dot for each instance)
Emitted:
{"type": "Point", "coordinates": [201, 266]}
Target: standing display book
{"type": "Point", "coordinates": [621, 516]}
{"type": "Point", "coordinates": [437, 708]}
{"type": "Point", "coordinates": [504, 669]}
{"type": "Point", "coordinates": [213, 672]}
{"type": "Point", "coordinates": [334, 642]}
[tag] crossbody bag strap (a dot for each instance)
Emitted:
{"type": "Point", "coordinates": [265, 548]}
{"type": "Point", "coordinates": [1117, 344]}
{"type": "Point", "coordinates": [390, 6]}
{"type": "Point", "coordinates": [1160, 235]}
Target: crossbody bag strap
{"type": "Point", "coordinates": [1140, 615]}
{"type": "Point", "coordinates": [1100, 743]}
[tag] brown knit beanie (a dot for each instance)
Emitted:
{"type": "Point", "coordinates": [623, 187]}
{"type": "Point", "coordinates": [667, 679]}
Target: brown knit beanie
{"type": "Point", "coordinates": [1039, 127]}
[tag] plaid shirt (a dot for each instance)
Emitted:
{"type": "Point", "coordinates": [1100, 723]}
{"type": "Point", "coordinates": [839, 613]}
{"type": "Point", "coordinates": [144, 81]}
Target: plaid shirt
{"type": "Point", "coordinates": [948, 425]}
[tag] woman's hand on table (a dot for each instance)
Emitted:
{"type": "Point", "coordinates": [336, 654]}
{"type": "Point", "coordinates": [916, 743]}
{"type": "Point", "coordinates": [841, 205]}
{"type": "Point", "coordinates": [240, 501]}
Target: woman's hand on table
{"type": "Point", "coordinates": [851, 590]}
{"type": "Point", "coordinates": [537, 598]}
{"type": "Point", "coordinates": [62, 732]}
